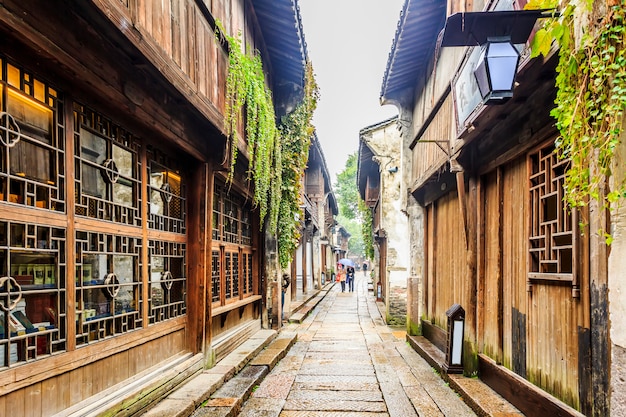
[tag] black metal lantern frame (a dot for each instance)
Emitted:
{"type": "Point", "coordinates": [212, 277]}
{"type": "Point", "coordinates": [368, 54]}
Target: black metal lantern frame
{"type": "Point", "coordinates": [497, 33]}
{"type": "Point", "coordinates": [496, 69]}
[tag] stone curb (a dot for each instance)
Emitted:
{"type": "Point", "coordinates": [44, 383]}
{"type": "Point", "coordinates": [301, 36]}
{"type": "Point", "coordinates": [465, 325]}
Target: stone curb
{"type": "Point", "coordinates": [183, 401]}
{"type": "Point", "coordinates": [479, 396]}
{"type": "Point", "coordinates": [305, 309]}
{"type": "Point", "coordinates": [229, 398]}
{"type": "Point", "coordinates": [221, 390]}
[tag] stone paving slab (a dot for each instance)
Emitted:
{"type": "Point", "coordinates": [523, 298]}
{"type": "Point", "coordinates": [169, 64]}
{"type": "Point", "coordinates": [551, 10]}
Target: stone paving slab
{"type": "Point", "coordinates": [262, 407]}
{"type": "Point", "coordinates": [331, 414]}
{"type": "Point", "coordinates": [331, 405]}
{"type": "Point", "coordinates": [242, 383]}
{"type": "Point", "coordinates": [398, 403]}
{"type": "Point", "coordinates": [199, 388]}
{"type": "Point", "coordinates": [484, 398]}
{"type": "Point", "coordinates": [275, 386]}
{"type": "Point", "coordinates": [275, 351]}
{"type": "Point", "coordinates": [339, 395]}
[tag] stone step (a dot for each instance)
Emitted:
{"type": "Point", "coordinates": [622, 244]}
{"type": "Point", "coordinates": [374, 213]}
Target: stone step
{"type": "Point", "coordinates": [477, 394]}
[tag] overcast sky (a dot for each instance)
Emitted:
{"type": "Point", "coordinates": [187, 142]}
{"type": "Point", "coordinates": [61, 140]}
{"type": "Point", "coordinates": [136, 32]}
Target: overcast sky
{"type": "Point", "coordinates": [348, 42]}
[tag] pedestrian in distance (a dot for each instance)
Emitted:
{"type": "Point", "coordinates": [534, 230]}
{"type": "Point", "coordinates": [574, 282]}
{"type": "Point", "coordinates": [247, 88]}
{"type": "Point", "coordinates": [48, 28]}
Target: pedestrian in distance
{"type": "Point", "coordinates": [350, 278]}
{"type": "Point", "coordinates": [285, 284]}
{"type": "Point", "coordinates": [364, 268]}
{"type": "Point", "coordinates": [341, 277]}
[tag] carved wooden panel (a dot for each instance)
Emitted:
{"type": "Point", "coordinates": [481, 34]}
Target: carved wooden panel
{"type": "Point", "coordinates": [552, 235]}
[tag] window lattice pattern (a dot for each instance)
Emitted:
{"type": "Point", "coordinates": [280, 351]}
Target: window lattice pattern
{"type": "Point", "coordinates": [215, 276]}
{"type": "Point", "coordinates": [108, 285]}
{"type": "Point", "coordinates": [168, 285]}
{"type": "Point", "coordinates": [248, 281]}
{"type": "Point", "coordinates": [107, 169]}
{"type": "Point", "coordinates": [231, 218]}
{"type": "Point", "coordinates": [232, 256]}
{"type": "Point", "coordinates": [32, 263]}
{"type": "Point", "coordinates": [552, 225]}
{"type": "Point", "coordinates": [31, 141]}
{"type": "Point", "coordinates": [167, 194]}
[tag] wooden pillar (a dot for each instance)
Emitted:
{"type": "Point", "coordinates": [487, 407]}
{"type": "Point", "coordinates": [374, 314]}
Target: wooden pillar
{"type": "Point", "coordinates": [198, 258]}
{"type": "Point", "coordinates": [599, 301]}
{"type": "Point", "coordinates": [70, 237]}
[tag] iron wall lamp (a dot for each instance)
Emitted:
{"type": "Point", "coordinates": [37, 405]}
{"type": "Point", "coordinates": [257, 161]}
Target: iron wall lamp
{"type": "Point", "coordinates": [495, 70]}
{"type": "Point", "coordinates": [496, 32]}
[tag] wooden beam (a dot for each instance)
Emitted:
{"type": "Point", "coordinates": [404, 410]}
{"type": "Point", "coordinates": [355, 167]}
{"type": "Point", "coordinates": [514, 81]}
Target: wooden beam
{"type": "Point", "coordinates": [528, 398]}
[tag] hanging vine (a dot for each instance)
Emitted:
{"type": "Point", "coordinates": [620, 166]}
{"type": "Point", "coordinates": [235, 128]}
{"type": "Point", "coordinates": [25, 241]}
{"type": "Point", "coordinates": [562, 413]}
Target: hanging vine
{"type": "Point", "coordinates": [246, 89]}
{"type": "Point", "coordinates": [591, 96]}
{"type": "Point", "coordinates": [277, 154]}
{"type": "Point", "coordinates": [296, 131]}
{"type": "Point", "coordinates": [367, 230]}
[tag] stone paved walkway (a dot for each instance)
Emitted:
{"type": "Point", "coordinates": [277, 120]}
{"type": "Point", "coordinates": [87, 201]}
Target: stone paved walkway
{"type": "Point", "coordinates": [347, 362]}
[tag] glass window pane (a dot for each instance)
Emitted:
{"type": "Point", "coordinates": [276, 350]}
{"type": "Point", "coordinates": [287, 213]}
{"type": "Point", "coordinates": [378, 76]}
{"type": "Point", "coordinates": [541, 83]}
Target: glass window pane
{"type": "Point", "coordinates": [92, 147]}
{"type": "Point", "coordinates": [124, 161]}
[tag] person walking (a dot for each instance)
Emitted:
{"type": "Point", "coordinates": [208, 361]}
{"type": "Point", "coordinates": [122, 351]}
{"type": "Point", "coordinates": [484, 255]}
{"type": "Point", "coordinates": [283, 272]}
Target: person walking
{"type": "Point", "coordinates": [341, 277]}
{"type": "Point", "coordinates": [350, 278]}
{"type": "Point", "coordinates": [284, 285]}
{"type": "Point", "coordinates": [364, 268]}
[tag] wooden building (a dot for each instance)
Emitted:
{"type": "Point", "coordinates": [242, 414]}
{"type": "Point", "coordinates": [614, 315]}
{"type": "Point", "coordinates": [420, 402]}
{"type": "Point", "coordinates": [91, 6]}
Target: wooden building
{"type": "Point", "coordinates": [497, 238]}
{"type": "Point", "coordinates": [314, 255]}
{"type": "Point", "coordinates": [123, 249]}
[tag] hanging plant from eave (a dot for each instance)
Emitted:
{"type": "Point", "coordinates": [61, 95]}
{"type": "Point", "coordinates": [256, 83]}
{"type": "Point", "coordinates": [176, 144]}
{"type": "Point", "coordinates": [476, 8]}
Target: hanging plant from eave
{"type": "Point", "coordinates": [246, 89]}
{"type": "Point", "coordinates": [296, 131]}
{"type": "Point", "coordinates": [590, 100]}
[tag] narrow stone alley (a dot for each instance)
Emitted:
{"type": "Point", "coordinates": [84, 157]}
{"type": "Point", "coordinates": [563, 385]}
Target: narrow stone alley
{"type": "Point", "coordinates": [348, 362]}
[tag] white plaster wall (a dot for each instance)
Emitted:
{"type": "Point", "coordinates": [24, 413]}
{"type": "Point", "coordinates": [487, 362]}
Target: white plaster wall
{"type": "Point", "coordinates": [617, 294]}
{"type": "Point", "coordinates": [387, 145]}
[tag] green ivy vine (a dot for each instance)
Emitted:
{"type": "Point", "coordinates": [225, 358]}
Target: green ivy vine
{"type": "Point", "coordinates": [591, 96]}
{"type": "Point", "coordinates": [278, 154]}
{"type": "Point", "coordinates": [296, 131]}
{"type": "Point", "coordinates": [246, 89]}
{"type": "Point", "coordinates": [367, 229]}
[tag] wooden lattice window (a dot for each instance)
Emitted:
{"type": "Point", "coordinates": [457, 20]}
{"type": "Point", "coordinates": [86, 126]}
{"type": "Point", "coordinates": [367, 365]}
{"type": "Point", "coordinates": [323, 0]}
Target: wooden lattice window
{"type": "Point", "coordinates": [167, 194]}
{"type": "Point", "coordinates": [32, 264]}
{"type": "Point", "coordinates": [31, 140]}
{"type": "Point", "coordinates": [248, 282]}
{"type": "Point", "coordinates": [553, 227]}
{"type": "Point", "coordinates": [108, 285]}
{"type": "Point", "coordinates": [107, 169]}
{"type": "Point", "coordinates": [216, 267]}
{"type": "Point", "coordinates": [168, 286]}
{"type": "Point", "coordinates": [232, 275]}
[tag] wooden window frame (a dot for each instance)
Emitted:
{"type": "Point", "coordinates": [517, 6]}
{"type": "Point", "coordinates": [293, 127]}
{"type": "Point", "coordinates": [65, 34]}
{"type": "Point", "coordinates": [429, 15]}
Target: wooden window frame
{"type": "Point", "coordinates": [553, 236]}
{"type": "Point", "coordinates": [232, 249]}
{"type": "Point", "coordinates": [24, 98]}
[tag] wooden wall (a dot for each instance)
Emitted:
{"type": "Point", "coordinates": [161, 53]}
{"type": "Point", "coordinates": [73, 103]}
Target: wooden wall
{"type": "Point", "coordinates": [178, 37]}
{"type": "Point", "coordinates": [535, 334]}
{"type": "Point", "coordinates": [113, 364]}
{"type": "Point", "coordinates": [431, 151]}
{"type": "Point", "coordinates": [445, 253]}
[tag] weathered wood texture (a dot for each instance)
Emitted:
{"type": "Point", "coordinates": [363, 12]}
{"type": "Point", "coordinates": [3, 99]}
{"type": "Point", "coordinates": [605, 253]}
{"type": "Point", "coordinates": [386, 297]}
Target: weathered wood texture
{"type": "Point", "coordinates": [179, 38]}
{"type": "Point", "coordinates": [535, 334]}
{"type": "Point", "coordinates": [446, 253]}
{"type": "Point", "coordinates": [431, 152]}
{"type": "Point", "coordinates": [112, 365]}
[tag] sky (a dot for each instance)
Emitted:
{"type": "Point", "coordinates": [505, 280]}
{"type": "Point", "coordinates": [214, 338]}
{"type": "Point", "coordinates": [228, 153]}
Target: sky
{"type": "Point", "coordinates": [348, 42]}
